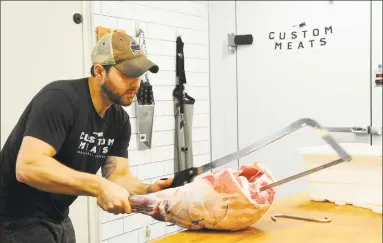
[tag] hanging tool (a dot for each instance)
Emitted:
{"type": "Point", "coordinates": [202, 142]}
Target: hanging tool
{"type": "Point", "coordinates": [144, 106]}
{"type": "Point", "coordinates": [186, 176]}
{"type": "Point", "coordinates": [145, 94]}
{"type": "Point", "coordinates": [183, 114]}
{"type": "Point", "coordinates": [325, 220]}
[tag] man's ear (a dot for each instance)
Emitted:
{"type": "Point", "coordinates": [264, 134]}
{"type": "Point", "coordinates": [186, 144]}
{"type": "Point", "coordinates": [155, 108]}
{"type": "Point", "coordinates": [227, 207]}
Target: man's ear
{"type": "Point", "coordinates": [99, 72]}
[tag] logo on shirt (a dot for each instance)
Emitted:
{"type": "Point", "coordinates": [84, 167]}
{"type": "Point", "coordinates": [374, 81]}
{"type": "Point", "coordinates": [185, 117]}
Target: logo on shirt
{"type": "Point", "coordinates": [94, 145]}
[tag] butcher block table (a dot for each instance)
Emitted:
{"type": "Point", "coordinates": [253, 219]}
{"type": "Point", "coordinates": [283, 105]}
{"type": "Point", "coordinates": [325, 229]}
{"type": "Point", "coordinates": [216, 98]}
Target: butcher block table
{"type": "Point", "coordinates": [349, 225]}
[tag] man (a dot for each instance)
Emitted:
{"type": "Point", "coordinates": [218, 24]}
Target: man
{"type": "Point", "coordinates": [69, 130]}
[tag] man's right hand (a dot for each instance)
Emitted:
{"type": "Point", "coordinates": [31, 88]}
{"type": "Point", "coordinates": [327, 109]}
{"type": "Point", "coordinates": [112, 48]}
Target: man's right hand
{"type": "Point", "coordinates": [113, 198]}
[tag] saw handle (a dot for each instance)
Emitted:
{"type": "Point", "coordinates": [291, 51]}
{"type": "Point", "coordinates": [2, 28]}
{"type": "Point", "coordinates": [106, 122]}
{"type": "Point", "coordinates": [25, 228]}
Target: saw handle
{"type": "Point", "coordinates": [183, 177]}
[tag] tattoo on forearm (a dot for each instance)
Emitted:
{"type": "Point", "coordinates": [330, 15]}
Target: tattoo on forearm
{"type": "Point", "coordinates": [109, 167]}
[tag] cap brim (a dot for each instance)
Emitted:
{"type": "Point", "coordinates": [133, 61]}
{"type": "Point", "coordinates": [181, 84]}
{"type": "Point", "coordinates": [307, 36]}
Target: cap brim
{"type": "Point", "coordinates": [137, 67]}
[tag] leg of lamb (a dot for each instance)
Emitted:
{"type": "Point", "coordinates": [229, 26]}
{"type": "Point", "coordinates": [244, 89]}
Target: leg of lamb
{"type": "Point", "coordinates": [221, 200]}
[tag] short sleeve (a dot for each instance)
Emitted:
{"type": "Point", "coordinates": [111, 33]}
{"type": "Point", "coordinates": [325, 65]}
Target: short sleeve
{"type": "Point", "coordinates": [121, 143]}
{"type": "Point", "coordinates": [50, 118]}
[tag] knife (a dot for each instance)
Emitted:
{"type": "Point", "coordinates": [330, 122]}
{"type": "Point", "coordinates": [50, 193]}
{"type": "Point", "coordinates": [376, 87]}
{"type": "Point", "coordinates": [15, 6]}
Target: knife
{"type": "Point", "coordinates": [140, 93]}
{"type": "Point", "coordinates": [186, 176]}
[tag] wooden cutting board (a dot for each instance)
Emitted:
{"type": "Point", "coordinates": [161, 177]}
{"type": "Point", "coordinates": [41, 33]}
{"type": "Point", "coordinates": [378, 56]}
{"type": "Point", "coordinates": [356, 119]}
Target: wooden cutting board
{"type": "Point", "coordinates": [349, 225]}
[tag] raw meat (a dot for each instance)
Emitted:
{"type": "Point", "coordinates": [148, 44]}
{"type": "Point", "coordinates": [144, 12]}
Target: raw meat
{"type": "Point", "coordinates": [222, 200]}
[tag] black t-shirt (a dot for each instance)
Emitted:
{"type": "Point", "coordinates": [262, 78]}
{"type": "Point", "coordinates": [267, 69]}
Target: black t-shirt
{"type": "Point", "coordinates": [63, 115]}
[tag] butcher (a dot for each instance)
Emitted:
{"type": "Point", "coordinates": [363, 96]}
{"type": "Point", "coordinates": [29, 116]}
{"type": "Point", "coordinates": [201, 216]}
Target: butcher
{"type": "Point", "coordinates": [68, 131]}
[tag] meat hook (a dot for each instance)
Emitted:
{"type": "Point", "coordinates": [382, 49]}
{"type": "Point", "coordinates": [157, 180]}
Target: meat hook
{"type": "Point", "coordinates": [325, 220]}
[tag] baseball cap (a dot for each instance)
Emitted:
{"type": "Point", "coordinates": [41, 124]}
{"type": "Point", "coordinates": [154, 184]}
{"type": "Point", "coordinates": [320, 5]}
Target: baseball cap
{"type": "Point", "coordinates": [124, 53]}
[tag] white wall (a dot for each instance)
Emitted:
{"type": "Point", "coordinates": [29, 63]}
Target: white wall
{"type": "Point", "coordinates": [376, 58]}
{"type": "Point", "coordinates": [161, 23]}
{"type": "Point", "coordinates": [26, 16]}
{"type": "Point", "coordinates": [223, 85]}
{"type": "Point", "coordinates": [275, 88]}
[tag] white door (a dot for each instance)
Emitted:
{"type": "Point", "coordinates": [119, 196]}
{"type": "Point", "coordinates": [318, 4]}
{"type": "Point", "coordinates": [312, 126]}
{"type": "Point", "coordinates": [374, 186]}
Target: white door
{"type": "Point", "coordinates": [309, 59]}
{"type": "Point", "coordinates": [376, 57]}
{"type": "Point", "coordinates": [40, 43]}
{"type": "Point", "coordinates": [223, 91]}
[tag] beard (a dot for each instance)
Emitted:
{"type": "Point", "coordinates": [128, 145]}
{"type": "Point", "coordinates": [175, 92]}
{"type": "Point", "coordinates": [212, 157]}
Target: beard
{"type": "Point", "coordinates": [109, 90]}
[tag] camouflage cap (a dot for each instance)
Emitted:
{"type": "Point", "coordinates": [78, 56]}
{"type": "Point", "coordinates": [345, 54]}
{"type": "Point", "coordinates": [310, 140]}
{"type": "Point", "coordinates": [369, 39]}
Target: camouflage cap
{"type": "Point", "coordinates": [124, 53]}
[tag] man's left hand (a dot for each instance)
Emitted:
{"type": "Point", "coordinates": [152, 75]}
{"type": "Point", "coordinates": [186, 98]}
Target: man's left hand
{"type": "Point", "coordinates": [160, 185]}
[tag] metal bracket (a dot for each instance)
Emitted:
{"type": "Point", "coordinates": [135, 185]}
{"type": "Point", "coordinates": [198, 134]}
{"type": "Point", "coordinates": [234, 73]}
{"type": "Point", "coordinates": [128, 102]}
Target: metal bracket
{"type": "Point", "coordinates": [145, 115]}
{"type": "Point", "coordinates": [231, 44]}
{"type": "Point", "coordinates": [357, 130]}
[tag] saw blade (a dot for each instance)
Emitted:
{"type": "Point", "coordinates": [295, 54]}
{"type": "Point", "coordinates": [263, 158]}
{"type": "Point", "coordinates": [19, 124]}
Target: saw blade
{"type": "Point", "coordinates": [274, 137]}
{"type": "Point", "coordinates": [305, 173]}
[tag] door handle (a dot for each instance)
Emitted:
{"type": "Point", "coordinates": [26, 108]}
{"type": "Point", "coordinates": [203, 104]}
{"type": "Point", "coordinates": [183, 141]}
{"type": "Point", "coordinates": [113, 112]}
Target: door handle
{"type": "Point", "coordinates": [236, 40]}
{"type": "Point", "coordinates": [365, 130]}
